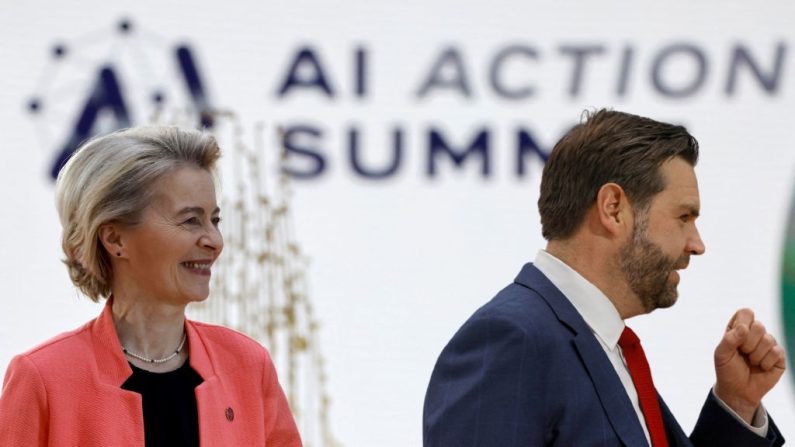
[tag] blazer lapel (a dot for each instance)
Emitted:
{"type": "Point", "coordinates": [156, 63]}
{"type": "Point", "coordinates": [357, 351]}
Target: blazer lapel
{"type": "Point", "coordinates": [676, 436]}
{"type": "Point", "coordinates": [610, 390]}
{"type": "Point", "coordinates": [214, 428]}
{"type": "Point", "coordinates": [112, 370]}
{"type": "Point", "coordinates": [608, 386]}
{"type": "Point", "coordinates": [214, 425]}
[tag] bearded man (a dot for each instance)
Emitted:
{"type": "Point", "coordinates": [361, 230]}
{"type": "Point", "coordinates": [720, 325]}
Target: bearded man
{"type": "Point", "coordinates": [549, 360]}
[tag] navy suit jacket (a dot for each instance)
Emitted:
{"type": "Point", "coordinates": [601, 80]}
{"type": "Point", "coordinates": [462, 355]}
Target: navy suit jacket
{"type": "Point", "coordinates": [526, 370]}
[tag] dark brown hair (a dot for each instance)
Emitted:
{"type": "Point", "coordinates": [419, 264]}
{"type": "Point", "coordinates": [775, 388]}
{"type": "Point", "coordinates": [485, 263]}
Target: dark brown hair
{"type": "Point", "coordinates": [607, 147]}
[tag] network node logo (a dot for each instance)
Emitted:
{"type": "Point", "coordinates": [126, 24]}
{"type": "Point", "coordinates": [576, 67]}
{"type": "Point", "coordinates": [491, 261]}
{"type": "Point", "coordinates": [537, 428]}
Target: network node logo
{"type": "Point", "coordinates": [112, 79]}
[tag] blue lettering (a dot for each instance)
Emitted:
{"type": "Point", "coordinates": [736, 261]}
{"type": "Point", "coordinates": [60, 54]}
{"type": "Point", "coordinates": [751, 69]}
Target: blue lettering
{"type": "Point", "coordinates": [580, 54]}
{"type": "Point", "coordinates": [106, 95]}
{"type": "Point", "coordinates": [479, 147]}
{"type": "Point", "coordinates": [299, 141]}
{"type": "Point", "coordinates": [387, 171]}
{"type": "Point", "coordinates": [526, 145]}
{"type": "Point", "coordinates": [693, 53]}
{"type": "Point", "coordinates": [496, 68]}
{"type": "Point", "coordinates": [306, 61]}
{"type": "Point", "coordinates": [769, 81]}
{"type": "Point", "coordinates": [450, 59]}
{"type": "Point", "coordinates": [193, 82]}
{"type": "Point", "coordinates": [627, 57]}
{"type": "Point", "coordinates": [360, 66]}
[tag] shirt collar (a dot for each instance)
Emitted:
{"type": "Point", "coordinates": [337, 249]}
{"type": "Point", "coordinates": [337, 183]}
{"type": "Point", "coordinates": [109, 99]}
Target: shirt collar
{"type": "Point", "coordinates": [595, 308]}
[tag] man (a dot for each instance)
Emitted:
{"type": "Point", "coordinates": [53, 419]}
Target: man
{"type": "Point", "coordinates": [548, 361]}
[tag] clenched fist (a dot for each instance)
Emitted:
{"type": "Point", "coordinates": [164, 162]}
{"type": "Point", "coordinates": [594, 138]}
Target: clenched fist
{"type": "Point", "coordinates": [748, 363]}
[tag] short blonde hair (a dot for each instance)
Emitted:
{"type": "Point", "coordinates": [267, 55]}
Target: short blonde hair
{"type": "Point", "coordinates": [110, 179]}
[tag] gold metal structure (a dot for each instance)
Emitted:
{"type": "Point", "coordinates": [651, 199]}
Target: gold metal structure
{"type": "Point", "coordinates": [260, 285]}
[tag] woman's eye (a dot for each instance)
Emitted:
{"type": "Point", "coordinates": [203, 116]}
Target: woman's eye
{"type": "Point", "coordinates": [192, 221]}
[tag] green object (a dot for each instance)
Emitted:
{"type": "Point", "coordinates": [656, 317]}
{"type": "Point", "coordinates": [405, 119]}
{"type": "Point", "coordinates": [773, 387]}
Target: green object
{"type": "Point", "coordinates": [788, 286]}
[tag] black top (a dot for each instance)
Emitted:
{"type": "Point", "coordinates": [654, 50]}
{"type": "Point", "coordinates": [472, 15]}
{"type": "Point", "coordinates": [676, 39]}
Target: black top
{"type": "Point", "coordinates": [169, 401]}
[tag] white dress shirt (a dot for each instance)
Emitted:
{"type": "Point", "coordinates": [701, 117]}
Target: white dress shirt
{"type": "Point", "coordinates": [606, 324]}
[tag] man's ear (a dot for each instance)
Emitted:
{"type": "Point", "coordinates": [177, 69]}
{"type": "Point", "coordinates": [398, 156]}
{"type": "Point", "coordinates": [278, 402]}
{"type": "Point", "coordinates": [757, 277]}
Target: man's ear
{"type": "Point", "coordinates": [613, 209]}
{"type": "Point", "coordinates": [111, 238]}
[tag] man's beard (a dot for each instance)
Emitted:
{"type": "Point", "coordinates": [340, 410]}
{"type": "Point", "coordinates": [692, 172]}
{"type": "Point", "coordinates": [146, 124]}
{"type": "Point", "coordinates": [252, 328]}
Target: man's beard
{"type": "Point", "coordinates": [647, 269]}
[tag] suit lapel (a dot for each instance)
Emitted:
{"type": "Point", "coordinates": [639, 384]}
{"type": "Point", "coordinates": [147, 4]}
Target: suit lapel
{"type": "Point", "coordinates": [676, 437]}
{"type": "Point", "coordinates": [610, 390]}
{"type": "Point", "coordinates": [612, 395]}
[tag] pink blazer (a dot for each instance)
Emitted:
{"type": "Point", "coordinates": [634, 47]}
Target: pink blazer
{"type": "Point", "coordinates": [67, 392]}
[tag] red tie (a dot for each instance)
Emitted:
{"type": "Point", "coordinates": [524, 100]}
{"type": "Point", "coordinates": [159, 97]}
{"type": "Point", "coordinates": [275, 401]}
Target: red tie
{"type": "Point", "coordinates": [641, 376]}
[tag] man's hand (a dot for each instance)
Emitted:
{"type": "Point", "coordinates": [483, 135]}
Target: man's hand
{"type": "Point", "coordinates": [748, 363]}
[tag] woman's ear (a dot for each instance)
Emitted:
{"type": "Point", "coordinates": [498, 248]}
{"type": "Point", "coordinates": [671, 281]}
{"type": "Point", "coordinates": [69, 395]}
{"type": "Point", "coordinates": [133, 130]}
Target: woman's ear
{"type": "Point", "coordinates": [110, 237]}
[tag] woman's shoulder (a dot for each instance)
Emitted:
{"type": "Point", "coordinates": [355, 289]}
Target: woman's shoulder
{"type": "Point", "coordinates": [61, 355]}
{"type": "Point", "coordinates": [62, 347]}
{"type": "Point", "coordinates": [223, 340]}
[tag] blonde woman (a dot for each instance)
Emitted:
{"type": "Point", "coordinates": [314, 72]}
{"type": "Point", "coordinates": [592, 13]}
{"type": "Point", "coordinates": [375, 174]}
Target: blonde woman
{"type": "Point", "coordinates": [141, 230]}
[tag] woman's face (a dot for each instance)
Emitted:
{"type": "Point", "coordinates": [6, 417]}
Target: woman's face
{"type": "Point", "coordinates": [168, 255]}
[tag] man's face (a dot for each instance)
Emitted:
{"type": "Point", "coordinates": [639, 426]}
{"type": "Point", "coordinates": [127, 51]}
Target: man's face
{"type": "Point", "coordinates": [663, 238]}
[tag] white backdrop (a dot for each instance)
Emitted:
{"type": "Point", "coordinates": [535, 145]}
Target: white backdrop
{"type": "Point", "coordinates": [398, 264]}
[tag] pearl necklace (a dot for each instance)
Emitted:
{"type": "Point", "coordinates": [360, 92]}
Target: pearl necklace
{"type": "Point", "coordinates": [163, 360]}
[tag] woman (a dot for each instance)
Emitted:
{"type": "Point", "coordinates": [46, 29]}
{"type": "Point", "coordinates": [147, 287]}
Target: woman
{"type": "Point", "coordinates": [140, 228]}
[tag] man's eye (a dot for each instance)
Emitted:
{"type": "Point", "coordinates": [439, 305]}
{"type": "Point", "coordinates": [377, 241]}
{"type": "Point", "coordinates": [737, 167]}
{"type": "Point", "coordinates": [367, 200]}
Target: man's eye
{"type": "Point", "coordinates": [216, 221]}
{"type": "Point", "coordinates": [192, 221]}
